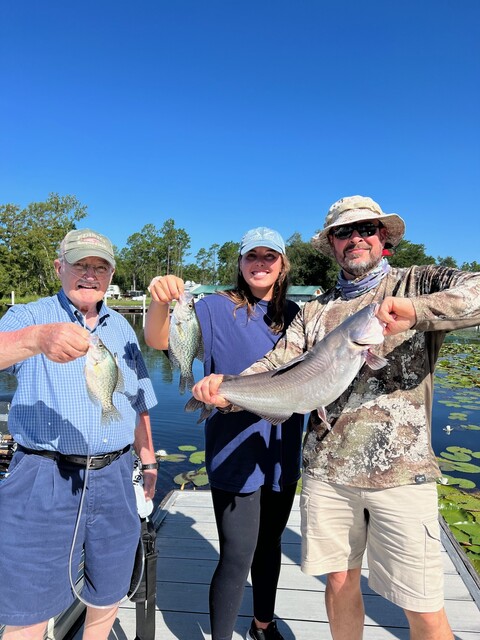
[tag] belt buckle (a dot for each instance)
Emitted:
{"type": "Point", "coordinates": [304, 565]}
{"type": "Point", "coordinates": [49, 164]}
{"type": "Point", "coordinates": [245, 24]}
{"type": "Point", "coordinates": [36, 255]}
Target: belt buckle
{"type": "Point", "coordinates": [92, 465]}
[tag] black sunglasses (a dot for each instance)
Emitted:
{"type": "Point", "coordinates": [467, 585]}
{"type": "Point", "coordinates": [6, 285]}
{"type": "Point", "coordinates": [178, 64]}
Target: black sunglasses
{"type": "Point", "coordinates": [365, 229]}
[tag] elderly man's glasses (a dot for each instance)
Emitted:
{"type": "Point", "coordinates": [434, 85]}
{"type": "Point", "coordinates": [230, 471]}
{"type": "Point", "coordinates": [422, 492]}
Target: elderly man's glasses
{"type": "Point", "coordinates": [364, 229]}
{"type": "Point", "coordinates": [82, 268]}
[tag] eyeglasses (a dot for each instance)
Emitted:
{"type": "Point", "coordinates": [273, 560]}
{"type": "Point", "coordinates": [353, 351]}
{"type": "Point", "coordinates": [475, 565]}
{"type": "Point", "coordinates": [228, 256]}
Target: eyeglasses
{"type": "Point", "coordinates": [81, 268]}
{"type": "Point", "coordinates": [365, 229]}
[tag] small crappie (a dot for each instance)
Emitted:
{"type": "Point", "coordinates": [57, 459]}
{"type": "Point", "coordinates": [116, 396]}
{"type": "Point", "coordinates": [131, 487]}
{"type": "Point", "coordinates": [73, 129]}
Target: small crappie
{"type": "Point", "coordinates": [185, 340]}
{"type": "Point", "coordinates": [313, 380]}
{"type": "Point", "coordinates": [103, 377]}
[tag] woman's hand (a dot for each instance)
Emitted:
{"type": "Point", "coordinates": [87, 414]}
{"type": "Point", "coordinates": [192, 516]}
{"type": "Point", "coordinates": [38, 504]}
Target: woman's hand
{"type": "Point", "coordinates": [164, 289]}
{"type": "Point", "coordinates": [206, 390]}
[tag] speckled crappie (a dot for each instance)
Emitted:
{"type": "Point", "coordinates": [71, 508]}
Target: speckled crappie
{"type": "Point", "coordinates": [313, 380]}
{"type": "Point", "coordinates": [103, 377]}
{"type": "Point", "coordinates": [184, 340]}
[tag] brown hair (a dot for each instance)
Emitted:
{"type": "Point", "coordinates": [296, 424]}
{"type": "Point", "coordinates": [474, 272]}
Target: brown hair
{"type": "Point", "coordinates": [242, 295]}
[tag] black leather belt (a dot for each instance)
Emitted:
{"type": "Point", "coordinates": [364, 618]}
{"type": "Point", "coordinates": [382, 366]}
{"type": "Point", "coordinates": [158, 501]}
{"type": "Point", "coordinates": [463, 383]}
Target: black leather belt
{"type": "Point", "coordinates": [95, 462]}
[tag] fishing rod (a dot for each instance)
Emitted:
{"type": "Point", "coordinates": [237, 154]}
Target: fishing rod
{"type": "Point", "coordinates": [143, 509]}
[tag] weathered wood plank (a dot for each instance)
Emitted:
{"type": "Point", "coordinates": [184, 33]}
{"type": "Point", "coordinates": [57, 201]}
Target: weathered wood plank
{"type": "Point", "coordinates": [187, 544]}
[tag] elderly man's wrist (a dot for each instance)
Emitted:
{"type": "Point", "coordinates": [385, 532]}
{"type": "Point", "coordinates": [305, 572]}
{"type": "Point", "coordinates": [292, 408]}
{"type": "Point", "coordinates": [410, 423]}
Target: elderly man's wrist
{"type": "Point", "coordinates": [149, 466]}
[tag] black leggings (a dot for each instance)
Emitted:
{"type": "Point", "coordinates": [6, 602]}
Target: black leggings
{"type": "Point", "coordinates": [250, 527]}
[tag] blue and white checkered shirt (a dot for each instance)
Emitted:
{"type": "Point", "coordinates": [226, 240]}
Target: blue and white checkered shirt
{"type": "Point", "coordinates": [51, 408]}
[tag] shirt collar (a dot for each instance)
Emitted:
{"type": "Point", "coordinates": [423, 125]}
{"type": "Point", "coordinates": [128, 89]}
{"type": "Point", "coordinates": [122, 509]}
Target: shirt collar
{"type": "Point", "coordinates": [75, 315]}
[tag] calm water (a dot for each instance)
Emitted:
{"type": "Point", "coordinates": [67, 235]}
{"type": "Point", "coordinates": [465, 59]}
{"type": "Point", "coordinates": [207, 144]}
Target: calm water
{"type": "Point", "coordinates": [173, 427]}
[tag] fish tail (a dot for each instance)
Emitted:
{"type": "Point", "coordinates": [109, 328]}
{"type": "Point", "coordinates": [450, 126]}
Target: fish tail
{"type": "Point", "coordinates": [110, 414]}
{"type": "Point", "coordinates": [193, 405]}
{"type": "Point", "coordinates": [186, 382]}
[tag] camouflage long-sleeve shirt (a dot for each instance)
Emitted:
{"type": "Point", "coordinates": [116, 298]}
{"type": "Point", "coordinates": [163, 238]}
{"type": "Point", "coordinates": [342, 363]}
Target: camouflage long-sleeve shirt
{"type": "Point", "coordinates": [381, 425]}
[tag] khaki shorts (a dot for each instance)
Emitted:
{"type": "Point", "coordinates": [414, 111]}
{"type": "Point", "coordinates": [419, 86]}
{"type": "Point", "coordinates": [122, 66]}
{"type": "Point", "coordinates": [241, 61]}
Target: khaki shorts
{"type": "Point", "coordinates": [401, 536]}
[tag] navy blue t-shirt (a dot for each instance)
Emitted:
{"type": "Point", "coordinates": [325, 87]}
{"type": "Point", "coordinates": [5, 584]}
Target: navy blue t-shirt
{"type": "Point", "coordinates": [244, 452]}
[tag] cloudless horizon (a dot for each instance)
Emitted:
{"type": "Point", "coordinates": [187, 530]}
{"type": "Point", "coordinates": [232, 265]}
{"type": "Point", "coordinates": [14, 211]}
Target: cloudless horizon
{"type": "Point", "coordinates": [230, 114]}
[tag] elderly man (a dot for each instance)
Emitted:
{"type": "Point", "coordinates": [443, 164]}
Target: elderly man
{"type": "Point", "coordinates": [370, 482]}
{"type": "Point", "coordinates": [69, 487]}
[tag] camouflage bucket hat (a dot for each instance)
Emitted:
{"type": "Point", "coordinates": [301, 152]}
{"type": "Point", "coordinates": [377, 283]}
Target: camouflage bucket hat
{"type": "Point", "coordinates": [354, 209]}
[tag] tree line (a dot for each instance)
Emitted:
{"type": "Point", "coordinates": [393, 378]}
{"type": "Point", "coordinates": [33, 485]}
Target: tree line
{"type": "Point", "coordinates": [29, 240]}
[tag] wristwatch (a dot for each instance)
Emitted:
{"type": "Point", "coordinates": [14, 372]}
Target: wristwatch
{"type": "Point", "coordinates": [150, 465]}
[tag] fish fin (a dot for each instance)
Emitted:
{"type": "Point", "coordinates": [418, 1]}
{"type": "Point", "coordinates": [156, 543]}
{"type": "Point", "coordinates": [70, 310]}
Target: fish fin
{"type": "Point", "coordinates": [174, 361]}
{"type": "Point", "coordinates": [205, 413]}
{"type": "Point", "coordinates": [120, 386]}
{"type": "Point", "coordinates": [110, 414]}
{"type": "Point", "coordinates": [322, 414]}
{"type": "Point", "coordinates": [186, 382]}
{"type": "Point", "coordinates": [193, 405]}
{"type": "Point", "coordinates": [277, 419]}
{"type": "Point", "coordinates": [200, 351]}
{"type": "Point", "coordinates": [288, 365]}
{"type": "Point", "coordinates": [374, 361]}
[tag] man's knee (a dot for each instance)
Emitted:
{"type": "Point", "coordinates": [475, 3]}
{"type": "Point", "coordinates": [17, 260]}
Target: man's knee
{"type": "Point", "coordinates": [344, 580]}
{"type": "Point", "coordinates": [30, 632]}
{"type": "Point", "coordinates": [426, 625]}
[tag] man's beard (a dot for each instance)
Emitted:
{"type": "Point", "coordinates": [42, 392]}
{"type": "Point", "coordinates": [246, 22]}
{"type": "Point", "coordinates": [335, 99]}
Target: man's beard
{"type": "Point", "coordinates": [359, 269]}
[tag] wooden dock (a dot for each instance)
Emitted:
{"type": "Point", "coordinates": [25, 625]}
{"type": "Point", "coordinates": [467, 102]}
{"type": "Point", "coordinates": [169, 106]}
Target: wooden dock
{"type": "Point", "coordinates": [187, 546]}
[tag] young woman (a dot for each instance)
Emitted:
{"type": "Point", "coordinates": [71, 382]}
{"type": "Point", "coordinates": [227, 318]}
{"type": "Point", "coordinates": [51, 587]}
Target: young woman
{"type": "Point", "coordinates": [253, 466]}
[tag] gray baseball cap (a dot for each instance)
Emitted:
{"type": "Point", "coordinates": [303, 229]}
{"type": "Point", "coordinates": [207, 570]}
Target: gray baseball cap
{"type": "Point", "coordinates": [262, 237]}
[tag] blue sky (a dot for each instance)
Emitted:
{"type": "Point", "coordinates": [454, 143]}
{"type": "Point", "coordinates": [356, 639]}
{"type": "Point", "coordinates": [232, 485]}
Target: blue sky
{"type": "Point", "coordinates": [229, 114]}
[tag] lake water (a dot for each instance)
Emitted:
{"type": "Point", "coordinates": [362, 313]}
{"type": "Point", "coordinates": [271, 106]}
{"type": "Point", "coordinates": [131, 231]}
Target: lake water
{"type": "Point", "coordinates": [172, 427]}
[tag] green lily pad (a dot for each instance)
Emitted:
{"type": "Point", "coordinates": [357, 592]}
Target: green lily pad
{"type": "Point", "coordinates": [462, 483]}
{"type": "Point", "coordinates": [457, 416]}
{"type": "Point", "coordinates": [198, 457]}
{"type": "Point", "coordinates": [174, 457]}
{"type": "Point", "coordinates": [457, 457]}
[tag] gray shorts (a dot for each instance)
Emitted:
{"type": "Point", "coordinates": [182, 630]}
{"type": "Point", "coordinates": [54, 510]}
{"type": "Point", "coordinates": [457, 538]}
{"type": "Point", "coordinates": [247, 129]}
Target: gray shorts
{"type": "Point", "coordinates": [401, 537]}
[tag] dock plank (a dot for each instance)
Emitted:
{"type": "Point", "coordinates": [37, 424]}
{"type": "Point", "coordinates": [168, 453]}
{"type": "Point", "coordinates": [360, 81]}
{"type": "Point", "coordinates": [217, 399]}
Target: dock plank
{"type": "Point", "coordinates": [187, 545]}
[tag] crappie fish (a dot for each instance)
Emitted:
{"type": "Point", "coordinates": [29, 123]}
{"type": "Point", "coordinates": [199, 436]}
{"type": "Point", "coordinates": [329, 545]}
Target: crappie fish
{"type": "Point", "coordinates": [103, 377]}
{"type": "Point", "coordinates": [311, 381]}
{"type": "Point", "coordinates": [184, 340]}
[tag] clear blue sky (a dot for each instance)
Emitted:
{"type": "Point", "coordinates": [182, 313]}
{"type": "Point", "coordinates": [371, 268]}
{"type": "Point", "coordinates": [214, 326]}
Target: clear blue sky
{"type": "Point", "coordinates": [229, 114]}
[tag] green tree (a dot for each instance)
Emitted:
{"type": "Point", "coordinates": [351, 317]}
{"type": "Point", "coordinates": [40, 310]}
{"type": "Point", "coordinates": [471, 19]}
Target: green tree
{"type": "Point", "coordinates": [309, 266]}
{"type": "Point", "coordinates": [471, 266]}
{"type": "Point", "coordinates": [203, 265]}
{"type": "Point", "coordinates": [447, 262]}
{"type": "Point", "coordinates": [29, 240]}
{"type": "Point", "coordinates": [174, 245]}
{"type": "Point", "coordinates": [408, 253]}
{"type": "Point", "coordinates": [227, 258]}
{"type": "Point", "coordinates": [139, 258]}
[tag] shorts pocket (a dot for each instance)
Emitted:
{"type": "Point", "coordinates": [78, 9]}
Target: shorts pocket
{"type": "Point", "coordinates": [433, 567]}
{"type": "Point", "coordinates": [19, 460]}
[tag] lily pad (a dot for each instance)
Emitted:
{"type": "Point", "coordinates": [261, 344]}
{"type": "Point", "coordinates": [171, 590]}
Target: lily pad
{"type": "Point", "coordinates": [174, 457]}
{"type": "Point", "coordinates": [198, 457]}
{"type": "Point", "coordinates": [457, 416]}
{"type": "Point", "coordinates": [187, 447]}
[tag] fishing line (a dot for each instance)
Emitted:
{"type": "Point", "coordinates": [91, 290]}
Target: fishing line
{"type": "Point", "coordinates": [77, 526]}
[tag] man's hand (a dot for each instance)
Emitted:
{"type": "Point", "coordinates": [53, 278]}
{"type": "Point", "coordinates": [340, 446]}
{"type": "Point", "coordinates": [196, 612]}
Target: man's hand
{"type": "Point", "coordinates": [149, 482]}
{"type": "Point", "coordinates": [62, 341]}
{"type": "Point", "coordinates": [206, 390]}
{"type": "Point", "coordinates": [398, 314]}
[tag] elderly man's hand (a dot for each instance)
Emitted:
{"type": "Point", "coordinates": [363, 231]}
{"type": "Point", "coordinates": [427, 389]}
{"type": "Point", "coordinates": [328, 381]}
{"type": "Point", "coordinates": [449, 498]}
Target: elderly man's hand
{"type": "Point", "coordinates": [398, 314]}
{"type": "Point", "coordinates": [149, 482]}
{"type": "Point", "coordinates": [62, 341]}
